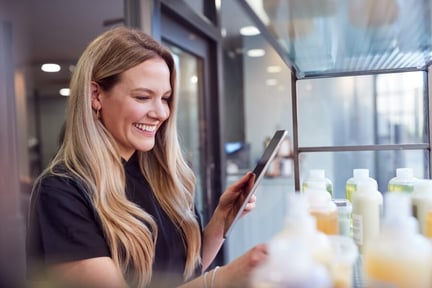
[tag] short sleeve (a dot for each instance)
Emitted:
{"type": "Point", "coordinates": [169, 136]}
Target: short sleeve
{"type": "Point", "coordinates": [63, 225]}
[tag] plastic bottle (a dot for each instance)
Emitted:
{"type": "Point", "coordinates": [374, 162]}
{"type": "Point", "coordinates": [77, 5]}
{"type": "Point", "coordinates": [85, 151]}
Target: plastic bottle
{"type": "Point", "coordinates": [421, 199]}
{"type": "Point", "coordinates": [359, 175]}
{"type": "Point", "coordinates": [344, 215]}
{"type": "Point", "coordinates": [300, 240]}
{"type": "Point", "coordinates": [317, 175]}
{"type": "Point", "coordinates": [344, 256]}
{"type": "Point", "coordinates": [399, 256]}
{"type": "Point", "coordinates": [322, 208]}
{"type": "Point", "coordinates": [366, 213]}
{"type": "Point", "coordinates": [403, 182]}
{"type": "Point", "coordinates": [280, 271]}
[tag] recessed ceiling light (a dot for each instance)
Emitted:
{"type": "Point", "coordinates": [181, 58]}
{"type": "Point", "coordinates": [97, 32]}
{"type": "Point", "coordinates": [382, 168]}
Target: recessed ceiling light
{"type": "Point", "coordinates": [194, 79]}
{"type": "Point", "coordinates": [274, 69]}
{"type": "Point", "coordinates": [271, 82]}
{"type": "Point", "coordinates": [256, 52]}
{"type": "Point", "coordinates": [50, 67]}
{"type": "Point", "coordinates": [65, 92]}
{"type": "Point", "coordinates": [249, 31]}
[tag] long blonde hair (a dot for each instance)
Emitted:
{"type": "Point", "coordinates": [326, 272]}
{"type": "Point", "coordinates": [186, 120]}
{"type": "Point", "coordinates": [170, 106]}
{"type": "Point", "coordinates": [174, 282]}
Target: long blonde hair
{"type": "Point", "coordinates": [90, 153]}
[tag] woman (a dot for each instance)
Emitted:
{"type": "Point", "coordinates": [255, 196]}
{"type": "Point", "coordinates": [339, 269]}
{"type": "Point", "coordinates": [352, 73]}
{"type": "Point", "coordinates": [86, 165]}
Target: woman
{"type": "Point", "coordinates": [116, 205]}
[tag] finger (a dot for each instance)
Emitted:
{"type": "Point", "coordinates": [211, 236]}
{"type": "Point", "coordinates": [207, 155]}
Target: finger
{"type": "Point", "coordinates": [252, 199]}
{"type": "Point", "coordinates": [245, 180]}
{"type": "Point", "coordinates": [249, 207]}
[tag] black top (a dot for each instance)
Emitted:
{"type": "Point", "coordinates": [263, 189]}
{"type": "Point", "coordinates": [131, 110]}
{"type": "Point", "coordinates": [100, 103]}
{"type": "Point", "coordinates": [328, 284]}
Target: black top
{"type": "Point", "coordinates": [63, 225]}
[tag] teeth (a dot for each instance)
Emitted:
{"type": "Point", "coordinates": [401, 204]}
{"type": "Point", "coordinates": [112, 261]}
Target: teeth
{"type": "Point", "coordinates": [143, 127]}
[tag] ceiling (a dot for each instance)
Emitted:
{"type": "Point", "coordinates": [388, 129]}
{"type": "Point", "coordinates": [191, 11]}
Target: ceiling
{"type": "Point", "coordinates": [55, 31]}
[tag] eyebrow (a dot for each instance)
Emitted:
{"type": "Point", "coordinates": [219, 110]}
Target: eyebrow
{"type": "Point", "coordinates": [150, 91]}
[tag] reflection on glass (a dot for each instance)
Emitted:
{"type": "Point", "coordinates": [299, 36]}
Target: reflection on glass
{"type": "Point", "coordinates": [349, 35]}
{"type": "Point", "coordinates": [362, 110]}
{"type": "Point", "coordinates": [382, 165]}
{"type": "Point", "coordinates": [188, 90]}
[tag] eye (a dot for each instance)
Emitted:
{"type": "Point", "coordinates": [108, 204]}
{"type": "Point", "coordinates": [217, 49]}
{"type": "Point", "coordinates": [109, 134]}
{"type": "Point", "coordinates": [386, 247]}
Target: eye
{"type": "Point", "coordinates": [167, 99]}
{"type": "Point", "coordinates": [142, 97]}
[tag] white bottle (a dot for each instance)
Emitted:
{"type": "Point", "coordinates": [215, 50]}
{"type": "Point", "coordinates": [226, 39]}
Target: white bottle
{"type": "Point", "coordinates": [281, 271]}
{"type": "Point", "coordinates": [403, 182]}
{"type": "Point", "coordinates": [359, 175]}
{"type": "Point", "coordinates": [366, 213]}
{"type": "Point", "coordinates": [317, 175]}
{"type": "Point", "coordinates": [399, 256]}
{"type": "Point", "coordinates": [421, 199]}
{"type": "Point", "coordinates": [298, 240]}
{"type": "Point", "coordinates": [299, 223]}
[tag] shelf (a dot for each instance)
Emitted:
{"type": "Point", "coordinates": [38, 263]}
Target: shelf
{"type": "Point", "coordinates": [349, 37]}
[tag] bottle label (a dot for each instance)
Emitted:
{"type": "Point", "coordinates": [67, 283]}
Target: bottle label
{"type": "Point", "coordinates": [357, 222]}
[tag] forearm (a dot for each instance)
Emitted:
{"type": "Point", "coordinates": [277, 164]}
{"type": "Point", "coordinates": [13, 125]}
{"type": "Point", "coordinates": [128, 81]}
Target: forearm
{"type": "Point", "coordinates": [213, 238]}
{"type": "Point", "coordinates": [210, 279]}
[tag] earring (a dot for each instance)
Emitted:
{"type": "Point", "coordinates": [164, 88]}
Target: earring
{"type": "Point", "coordinates": [98, 114]}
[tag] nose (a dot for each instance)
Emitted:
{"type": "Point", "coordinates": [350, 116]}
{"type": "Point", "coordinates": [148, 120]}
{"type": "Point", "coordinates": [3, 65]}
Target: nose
{"type": "Point", "coordinates": [159, 110]}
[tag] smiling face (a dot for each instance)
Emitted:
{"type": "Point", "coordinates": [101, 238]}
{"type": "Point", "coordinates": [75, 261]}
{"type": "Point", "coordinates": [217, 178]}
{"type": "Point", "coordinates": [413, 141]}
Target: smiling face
{"type": "Point", "coordinates": [135, 107]}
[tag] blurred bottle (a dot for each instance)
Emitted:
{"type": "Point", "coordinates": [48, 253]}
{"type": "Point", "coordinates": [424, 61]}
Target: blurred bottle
{"type": "Point", "coordinates": [322, 207]}
{"type": "Point", "coordinates": [359, 175]}
{"type": "Point", "coordinates": [280, 271]}
{"type": "Point", "coordinates": [344, 257]}
{"type": "Point", "coordinates": [366, 213]}
{"type": "Point", "coordinates": [403, 182]}
{"type": "Point", "coordinates": [317, 175]}
{"type": "Point", "coordinates": [399, 256]}
{"type": "Point", "coordinates": [344, 215]}
{"type": "Point", "coordinates": [299, 240]}
{"type": "Point", "coordinates": [421, 200]}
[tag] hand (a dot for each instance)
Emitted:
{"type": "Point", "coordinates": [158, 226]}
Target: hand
{"type": "Point", "coordinates": [233, 197]}
{"type": "Point", "coordinates": [238, 273]}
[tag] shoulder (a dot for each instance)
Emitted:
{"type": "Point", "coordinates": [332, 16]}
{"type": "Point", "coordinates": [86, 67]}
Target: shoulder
{"type": "Point", "coordinates": [61, 187]}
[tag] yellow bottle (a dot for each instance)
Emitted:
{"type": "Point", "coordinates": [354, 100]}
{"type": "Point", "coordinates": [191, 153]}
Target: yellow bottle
{"type": "Point", "coordinates": [421, 199]}
{"type": "Point", "coordinates": [399, 256]}
{"type": "Point", "coordinates": [403, 182]}
{"type": "Point", "coordinates": [322, 208]}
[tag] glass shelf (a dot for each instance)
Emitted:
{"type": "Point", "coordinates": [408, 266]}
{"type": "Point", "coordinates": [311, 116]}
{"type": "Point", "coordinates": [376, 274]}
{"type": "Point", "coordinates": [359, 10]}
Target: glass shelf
{"type": "Point", "coordinates": [350, 37]}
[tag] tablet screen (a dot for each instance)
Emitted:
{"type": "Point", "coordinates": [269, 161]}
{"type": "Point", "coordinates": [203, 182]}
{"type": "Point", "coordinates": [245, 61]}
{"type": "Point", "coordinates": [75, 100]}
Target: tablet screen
{"type": "Point", "coordinates": [259, 171]}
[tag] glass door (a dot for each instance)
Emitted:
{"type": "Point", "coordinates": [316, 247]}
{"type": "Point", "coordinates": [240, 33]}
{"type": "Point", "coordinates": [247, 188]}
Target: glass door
{"type": "Point", "coordinates": [196, 108]}
{"type": "Point", "coordinates": [189, 91]}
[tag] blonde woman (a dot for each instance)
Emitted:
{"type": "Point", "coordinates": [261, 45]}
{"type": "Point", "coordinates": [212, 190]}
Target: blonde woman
{"type": "Point", "coordinates": [115, 208]}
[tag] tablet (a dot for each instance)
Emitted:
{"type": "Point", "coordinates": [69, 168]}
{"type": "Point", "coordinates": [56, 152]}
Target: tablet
{"type": "Point", "coordinates": [259, 171]}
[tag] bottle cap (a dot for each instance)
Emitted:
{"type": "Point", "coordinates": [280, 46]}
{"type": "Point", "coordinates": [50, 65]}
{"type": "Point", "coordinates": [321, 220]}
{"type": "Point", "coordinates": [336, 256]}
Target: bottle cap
{"type": "Point", "coordinates": [404, 172]}
{"type": "Point", "coordinates": [317, 174]}
{"type": "Point", "coordinates": [361, 173]}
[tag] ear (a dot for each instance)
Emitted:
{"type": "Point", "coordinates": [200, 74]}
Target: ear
{"type": "Point", "coordinates": [95, 96]}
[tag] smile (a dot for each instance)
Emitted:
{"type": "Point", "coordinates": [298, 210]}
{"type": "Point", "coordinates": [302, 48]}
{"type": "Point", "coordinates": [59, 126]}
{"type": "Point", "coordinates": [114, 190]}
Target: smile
{"type": "Point", "coordinates": [146, 128]}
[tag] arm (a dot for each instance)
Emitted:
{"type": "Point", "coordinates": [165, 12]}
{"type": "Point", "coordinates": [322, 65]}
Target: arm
{"type": "Point", "coordinates": [236, 274]}
{"type": "Point", "coordinates": [229, 203]}
{"type": "Point", "coordinates": [93, 272]}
